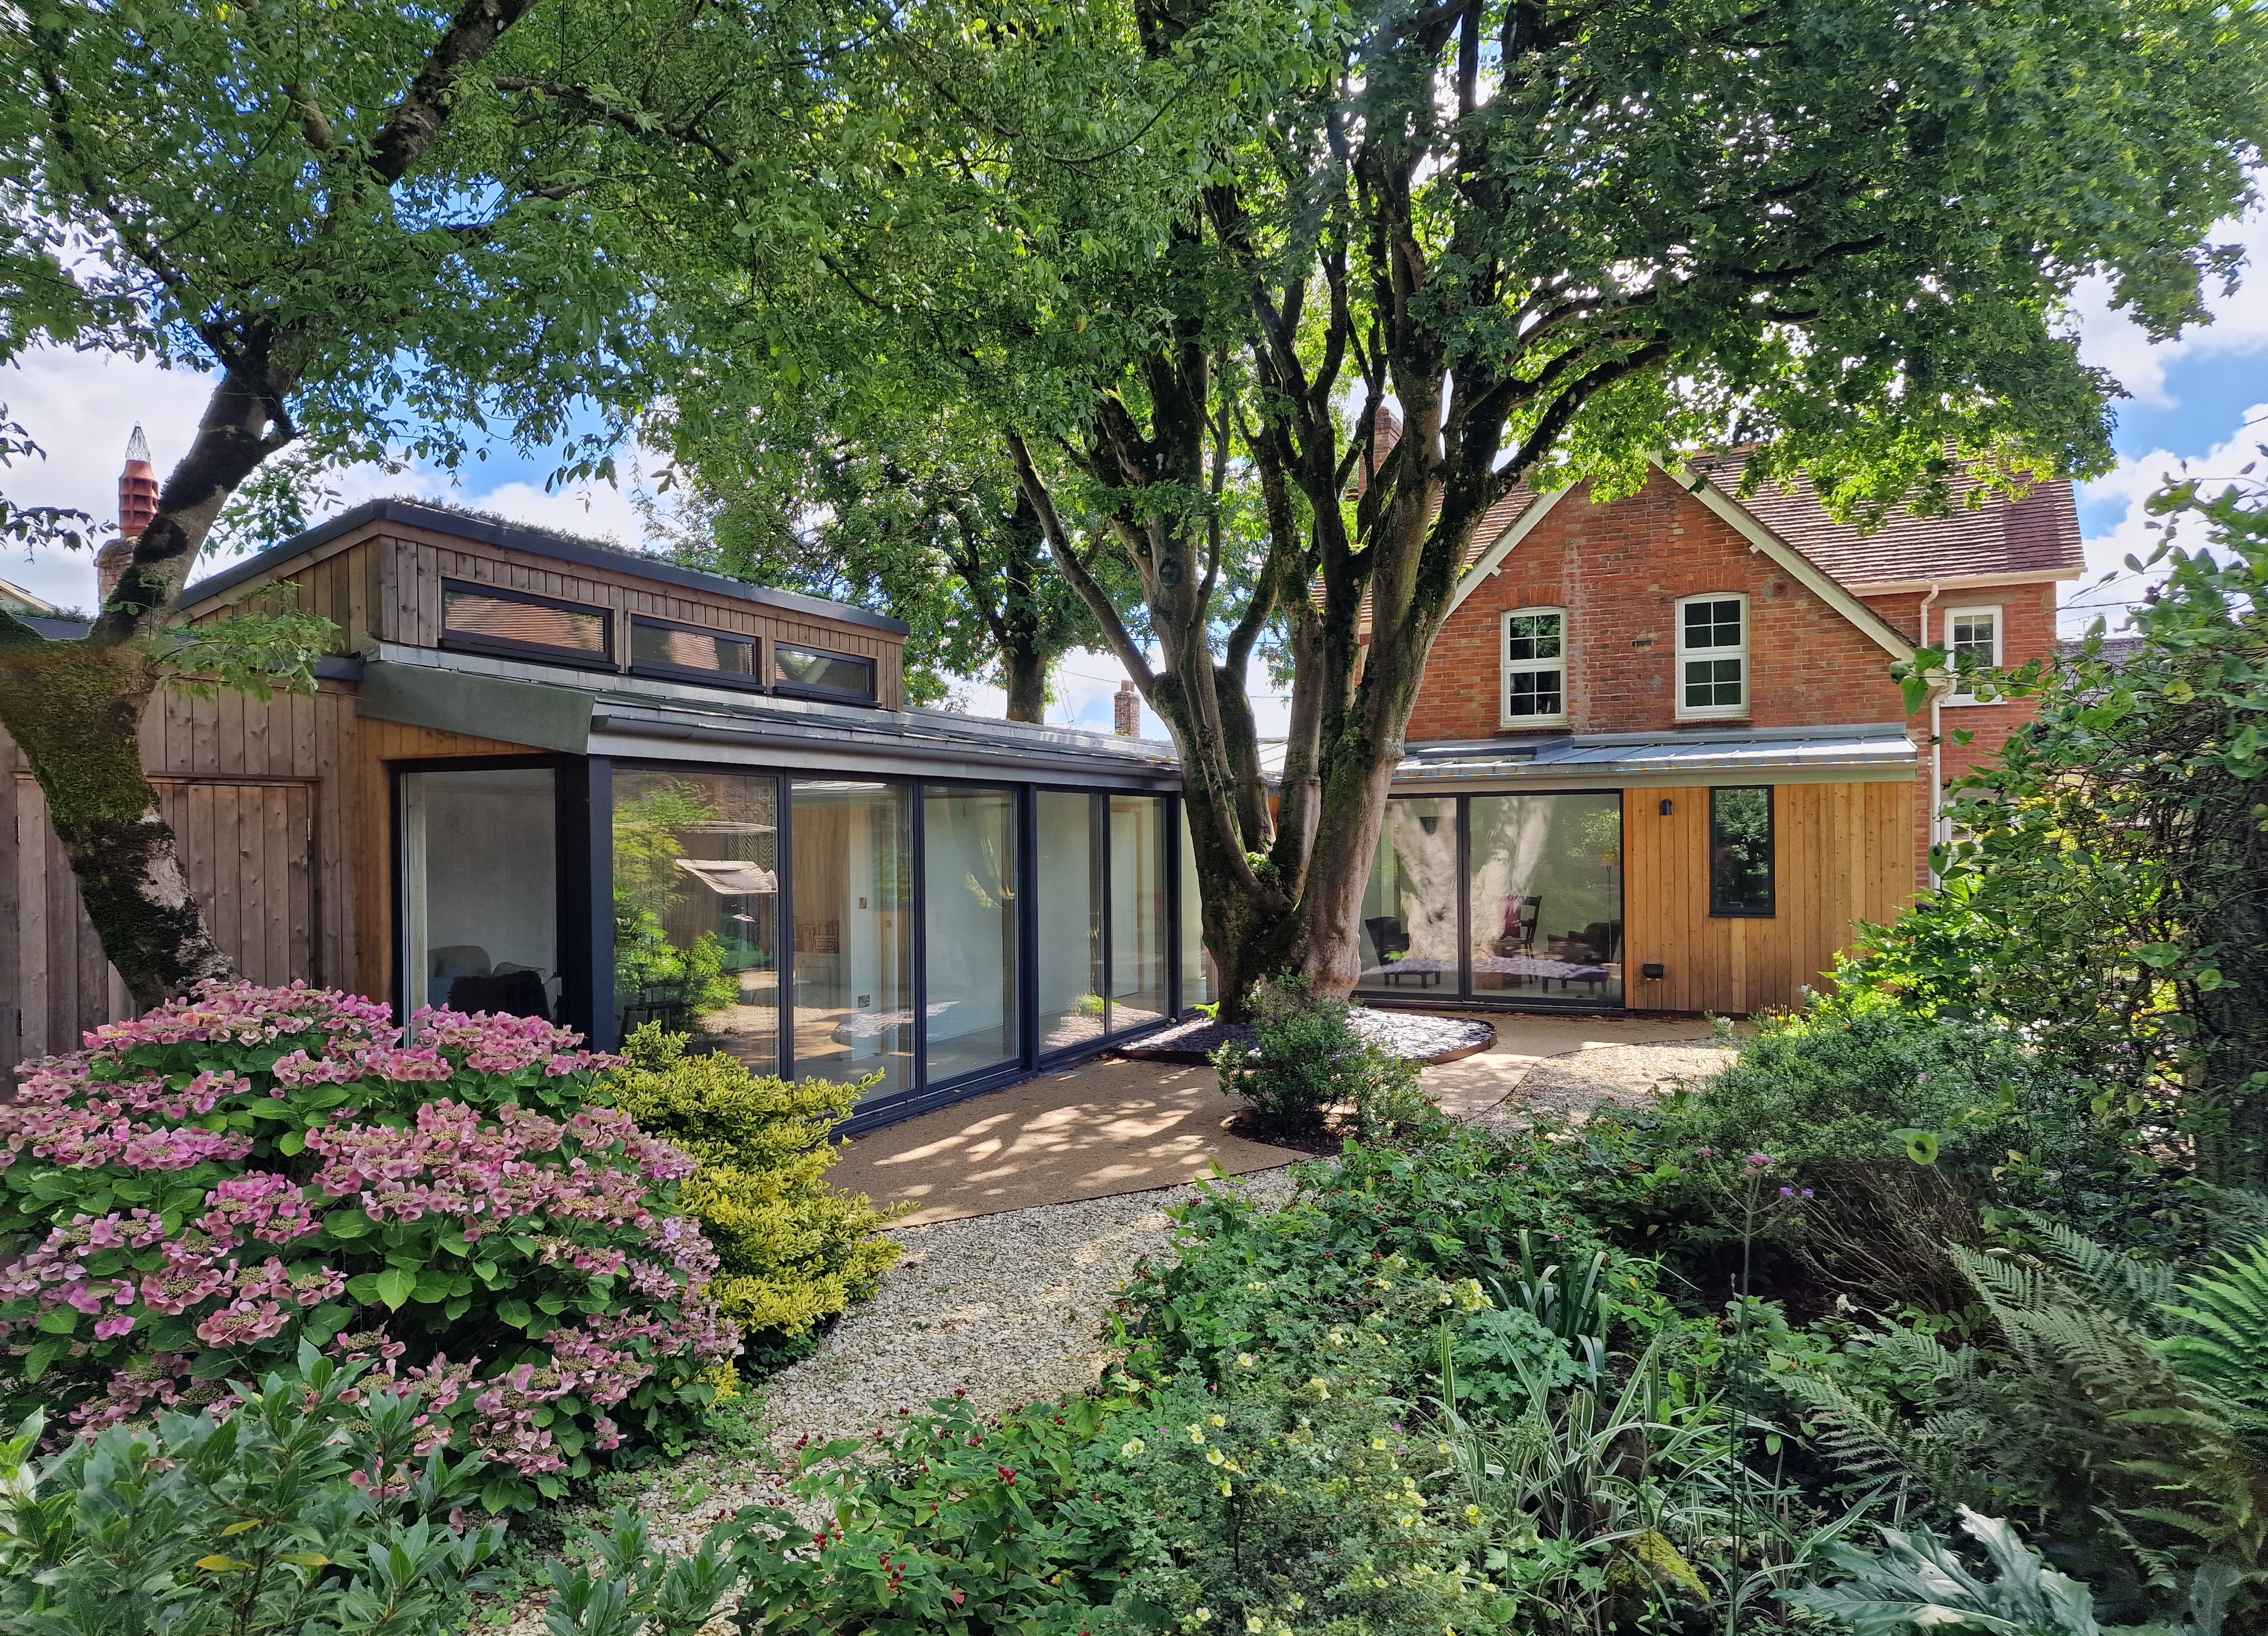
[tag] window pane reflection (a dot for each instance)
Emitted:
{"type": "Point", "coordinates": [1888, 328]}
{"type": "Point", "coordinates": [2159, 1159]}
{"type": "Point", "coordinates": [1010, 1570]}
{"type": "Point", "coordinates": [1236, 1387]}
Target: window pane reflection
{"type": "Point", "coordinates": [1410, 908]}
{"type": "Point", "coordinates": [696, 909]}
{"type": "Point", "coordinates": [853, 959]}
{"type": "Point", "coordinates": [1546, 885]}
{"type": "Point", "coordinates": [1138, 912]}
{"type": "Point", "coordinates": [1070, 858]}
{"type": "Point", "coordinates": [969, 843]}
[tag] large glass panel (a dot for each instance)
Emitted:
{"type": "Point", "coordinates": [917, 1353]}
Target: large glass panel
{"type": "Point", "coordinates": [1546, 880]}
{"type": "Point", "coordinates": [1197, 983]}
{"type": "Point", "coordinates": [696, 909]}
{"type": "Point", "coordinates": [969, 909]}
{"type": "Point", "coordinates": [1068, 855]}
{"type": "Point", "coordinates": [1410, 908]}
{"type": "Point", "coordinates": [481, 890]}
{"type": "Point", "coordinates": [853, 969]}
{"type": "Point", "coordinates": [1137, 911]}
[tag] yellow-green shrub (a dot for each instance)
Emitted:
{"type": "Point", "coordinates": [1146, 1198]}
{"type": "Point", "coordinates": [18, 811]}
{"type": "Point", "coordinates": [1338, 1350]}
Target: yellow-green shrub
{"type": "Point", "coordinates": [795, 1249]}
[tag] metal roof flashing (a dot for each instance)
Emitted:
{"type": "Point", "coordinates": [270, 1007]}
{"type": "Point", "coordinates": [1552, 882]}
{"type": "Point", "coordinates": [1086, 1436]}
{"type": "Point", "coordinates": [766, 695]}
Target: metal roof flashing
{"type": "Point", "coordinates": [605, 713]}
{"type": "Point", "coordinates": [1859, 752]}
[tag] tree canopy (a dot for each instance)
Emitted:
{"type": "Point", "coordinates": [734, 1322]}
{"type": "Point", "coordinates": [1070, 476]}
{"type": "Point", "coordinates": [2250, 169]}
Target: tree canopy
{"type": "Point", "coordinates": [1155, 240]}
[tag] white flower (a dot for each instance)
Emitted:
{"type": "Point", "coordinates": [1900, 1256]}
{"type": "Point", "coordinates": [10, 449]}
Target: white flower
{"type": "Point", "coordinates": [1197, 1434]}
{"type": "Point", "coordinates": [1132, 1446]}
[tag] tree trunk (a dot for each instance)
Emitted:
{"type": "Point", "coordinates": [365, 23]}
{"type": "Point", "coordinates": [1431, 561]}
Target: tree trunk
{"type": "Point", "coordinates": [76, 710]}
{"type": "Point", "coordinates": [1027, 674]}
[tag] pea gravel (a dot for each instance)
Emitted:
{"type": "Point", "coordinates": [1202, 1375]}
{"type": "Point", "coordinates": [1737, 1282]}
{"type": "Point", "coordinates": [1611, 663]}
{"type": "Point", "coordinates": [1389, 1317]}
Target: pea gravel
{"type": "Point", "coordinates": [1579, 1083]}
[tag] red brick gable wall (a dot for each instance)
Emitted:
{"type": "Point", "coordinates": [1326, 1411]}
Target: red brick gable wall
{"type": "Point", "coordinates": [2028, 631]}
{"type": "Point", "coordinates": [1618, 570]}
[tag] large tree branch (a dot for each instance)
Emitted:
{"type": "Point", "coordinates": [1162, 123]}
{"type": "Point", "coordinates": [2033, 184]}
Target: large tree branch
{"type": "Point", "coordinates": [418, 120]}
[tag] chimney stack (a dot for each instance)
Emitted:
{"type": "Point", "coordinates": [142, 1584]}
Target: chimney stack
{"type": "Point", "coordinates": [1126, 713]}
{"type": "Point", "coordinates": [138, 504]}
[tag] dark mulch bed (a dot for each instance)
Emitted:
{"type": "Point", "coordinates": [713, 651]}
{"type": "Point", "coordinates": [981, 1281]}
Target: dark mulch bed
{"type": "Point", "coordinates": [1413, 1036]}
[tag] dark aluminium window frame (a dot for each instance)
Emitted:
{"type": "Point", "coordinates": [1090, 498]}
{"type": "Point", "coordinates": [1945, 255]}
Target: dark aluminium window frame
{"type": "Point", "coordinates": [1770, 910]}
{"type": "Point", "coordinates": [582, 848]}
{"type": "Point", "coordinates": [661, 670]}
{"type": "Point", "coordinates": [593, 814]}
{"type": "Point", "coordinates": [830, 695]}
{"type": "Point", "coordinates": [496, 648]}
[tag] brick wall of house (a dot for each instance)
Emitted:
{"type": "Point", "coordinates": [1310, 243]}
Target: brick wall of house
{"type": "Point", "coordinates": [1618, 570]}
{"type": "Point", "coordinates": [2028, 631]}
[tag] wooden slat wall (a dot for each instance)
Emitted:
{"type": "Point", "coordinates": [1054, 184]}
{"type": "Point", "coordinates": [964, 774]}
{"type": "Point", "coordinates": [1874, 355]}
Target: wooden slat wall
{"type": "Point", "coordinates": [339, 581]}
{"type": "Point", "coordinates": [411, 566]}
{"type": "Point", "coordinates": [1844, 852]}
{"type": "Point", "coordinates": [282, 814]}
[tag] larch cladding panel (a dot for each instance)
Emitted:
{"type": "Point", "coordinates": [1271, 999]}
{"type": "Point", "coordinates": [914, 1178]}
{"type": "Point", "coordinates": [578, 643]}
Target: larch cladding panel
{"type": "Point", "coordinates": [282, 813]}
{"type": "Point", "coordinates": [1619, 569]}
{"type": "Point", "coordinates": [413, 565]}
{"type": "Point", "coordinates": [1840, 854]}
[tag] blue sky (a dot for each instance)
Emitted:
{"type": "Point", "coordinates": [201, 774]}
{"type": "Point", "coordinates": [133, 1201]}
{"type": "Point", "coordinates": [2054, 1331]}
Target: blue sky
{"type": "Point", "coordinates": [2190, 402]}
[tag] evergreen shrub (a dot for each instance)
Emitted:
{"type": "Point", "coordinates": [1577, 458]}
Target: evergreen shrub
{"type": "Point", "coordinates": [793, 1251]}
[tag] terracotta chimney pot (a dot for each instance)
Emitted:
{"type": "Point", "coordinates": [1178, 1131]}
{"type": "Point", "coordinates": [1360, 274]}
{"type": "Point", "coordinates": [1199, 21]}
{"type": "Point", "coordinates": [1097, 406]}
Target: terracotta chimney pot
{"type": "Point", "coordinates": [138, 504]}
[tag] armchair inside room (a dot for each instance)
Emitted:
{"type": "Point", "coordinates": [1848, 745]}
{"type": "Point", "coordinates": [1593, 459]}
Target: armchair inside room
{"type": "Point", "coordinates": [1387, 936]}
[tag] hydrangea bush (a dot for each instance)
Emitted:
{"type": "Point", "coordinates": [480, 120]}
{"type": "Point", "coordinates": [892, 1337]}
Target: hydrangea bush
{"type": "Point", "coordinates": [203, 1188]}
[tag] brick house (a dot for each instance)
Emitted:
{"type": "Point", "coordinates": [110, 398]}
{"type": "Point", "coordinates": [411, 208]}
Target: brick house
{"type": "Point", "coordinates": [1657, 758]}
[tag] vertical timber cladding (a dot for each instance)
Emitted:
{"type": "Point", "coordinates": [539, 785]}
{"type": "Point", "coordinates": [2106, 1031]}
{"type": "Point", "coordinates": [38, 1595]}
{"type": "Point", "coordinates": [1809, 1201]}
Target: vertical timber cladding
{"type": "Point", "coordinates": [1843, 853]}
{"type": "Point", "coordinates": [249, 849]}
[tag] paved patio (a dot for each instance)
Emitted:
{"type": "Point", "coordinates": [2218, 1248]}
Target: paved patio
{"type": "Point", "coordinates": [1111, 1127]}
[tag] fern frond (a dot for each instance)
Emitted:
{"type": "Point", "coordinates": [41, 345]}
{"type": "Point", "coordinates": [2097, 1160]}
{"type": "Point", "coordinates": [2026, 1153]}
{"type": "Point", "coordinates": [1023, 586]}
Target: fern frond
{"type": "Point", "coordinates": [2133, 1288]}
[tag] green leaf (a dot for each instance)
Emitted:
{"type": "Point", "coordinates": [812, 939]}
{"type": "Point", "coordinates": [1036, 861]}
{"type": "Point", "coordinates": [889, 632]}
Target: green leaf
{"type": "Point", "coordinates": [515, 1313]}
{"type": "Point", "coordinates": [2158, 955]}
{"type": "Point", "coordinates": [291, 1142]}
{"type": "Point", "coordinates": [42, 1354]}
{"type": "Point", "coordinates": [395, 1285]}
{"type": "Point", "coordinates": [347, 1223]}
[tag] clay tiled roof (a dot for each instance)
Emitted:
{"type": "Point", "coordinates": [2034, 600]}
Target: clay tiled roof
{"type": "Point", "coordinates": [2037, 535]}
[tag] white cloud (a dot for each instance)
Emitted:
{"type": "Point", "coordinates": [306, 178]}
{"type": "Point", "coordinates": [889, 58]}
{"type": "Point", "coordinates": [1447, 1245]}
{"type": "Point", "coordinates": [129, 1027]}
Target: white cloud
{"type": "Point", "coordinates": [2110, 587]}
{"type": "Point", "coordinates": [2112, 341]}
{"type": "Point", "coordinates": [79, 407]}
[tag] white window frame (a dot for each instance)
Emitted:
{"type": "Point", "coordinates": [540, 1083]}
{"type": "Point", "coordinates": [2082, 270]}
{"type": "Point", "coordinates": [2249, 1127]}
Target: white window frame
{"type": "Point", "coordinates": [1714, 712]}
{"type": "Point", "coordinates": [1963, 692]}
{"type": "Point", "coordinates": [1507, 667]}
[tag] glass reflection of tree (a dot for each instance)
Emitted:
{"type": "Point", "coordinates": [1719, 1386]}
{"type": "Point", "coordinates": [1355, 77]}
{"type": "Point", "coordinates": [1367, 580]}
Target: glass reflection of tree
{"type": "Point", "coordinates": [648, 968]}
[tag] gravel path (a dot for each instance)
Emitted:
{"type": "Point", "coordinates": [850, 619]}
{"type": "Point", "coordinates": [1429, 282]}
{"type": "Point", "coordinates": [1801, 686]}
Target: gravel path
{"type": "Point", "coordinates": [1578, 1083]}
{"type": "Point", "coordinates": [1008, 1308]}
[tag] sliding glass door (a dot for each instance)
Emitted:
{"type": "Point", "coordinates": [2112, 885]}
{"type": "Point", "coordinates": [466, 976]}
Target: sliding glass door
{"type": "Point", "coordinates": [932, 935]}
{"type": "Point", "coordinates": [851, 847]}
{"type": "Point", "coordinates": [696, 909]}
{"type": "Point", "coordinates": [1512, 896]}
{"type": "Point", "coordinates": [969, 932]}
